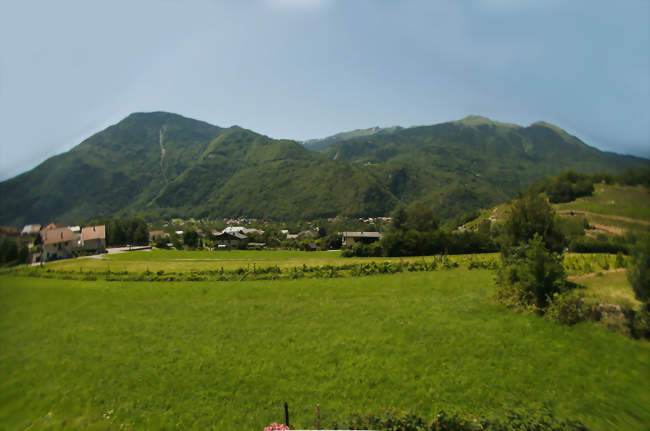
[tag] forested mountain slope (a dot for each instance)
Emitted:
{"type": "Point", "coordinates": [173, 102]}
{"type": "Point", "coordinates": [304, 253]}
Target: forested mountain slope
{"type": "Point", "coordinates": [163, 165]}
{"type": "Point", "coordinates": [472, 163]}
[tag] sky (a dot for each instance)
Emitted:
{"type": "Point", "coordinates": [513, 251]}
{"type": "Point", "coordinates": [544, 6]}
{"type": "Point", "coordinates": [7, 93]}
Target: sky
{"type": "Point", "coordinates": [303, 69]}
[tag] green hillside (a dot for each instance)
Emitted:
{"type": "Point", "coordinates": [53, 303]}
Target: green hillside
{"type": "Point", "coordinates": [473, 163]}
{"type": "Point", "coordinates": [163, 165]}
{"type": "Point", "coordinates": [243, 173]}
{"type": "Point", "coordinates": [322, 144]}
{"type": "Point", "coordinates": [124, 166]}
{"type": "Point", "coordinates": [613, 209]}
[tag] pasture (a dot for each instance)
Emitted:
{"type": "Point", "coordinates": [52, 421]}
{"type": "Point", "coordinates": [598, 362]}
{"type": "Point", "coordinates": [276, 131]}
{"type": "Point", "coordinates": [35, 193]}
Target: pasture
{"type": "Point", "coordinates": [225, 355]}
{"type": "Point", "coordinates": [614, 204]}
{"type": "Point", "coordinates": [180, 260]}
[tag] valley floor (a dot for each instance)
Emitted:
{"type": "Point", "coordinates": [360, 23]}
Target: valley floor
{"type": "Point", "coordinates": [226, 355]}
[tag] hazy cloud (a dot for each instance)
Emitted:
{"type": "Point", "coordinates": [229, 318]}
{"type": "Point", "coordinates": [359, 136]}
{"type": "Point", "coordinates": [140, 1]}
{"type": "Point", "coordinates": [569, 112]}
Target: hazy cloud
{"type": "Point", "coordinates": [296, 4]}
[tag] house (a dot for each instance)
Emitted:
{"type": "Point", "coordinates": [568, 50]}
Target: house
{"type": "Point", "coordinates": [155, 234]}
{"type": "Point", "coordinates": [9, 231]}
{"type": "Point", "coordinates": [350, 238]}
{"type": "Point", "coordinates": [31, 229]}
{"type": "Point", "coordinates": [58, 243]}
{"type": "Point", "coordinates": [310, 247]}
{"type": "Point", "coordinates": [256, 245]}
{"type": "Point", "coordinates": [94, 238]}
{"type": "Point", "coordinates": [306, 234]}
{"type": "Point", "coordinates": [229, 238]}
{"type": "Point", "coordinates": [233, 229]}
{"type": "Point", "coordinates": [53, 225]}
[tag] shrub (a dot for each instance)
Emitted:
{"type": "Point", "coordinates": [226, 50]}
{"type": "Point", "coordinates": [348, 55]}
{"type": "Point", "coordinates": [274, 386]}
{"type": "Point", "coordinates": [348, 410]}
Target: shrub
{"type": "Point", "coordinates": [569, 308]}
{"type": "Point", "coordinates": [530, 275]}
{"type": "Point", "coordinates": [595, 245]}
{"type": "Point", "coordinates": [638, 322]}
{"type": "Point", "coordinates": [639, 269]}
{"type": "Point", "coordinates": [396, 420]}
{"type": "Point", "coordinates": [532, 215]}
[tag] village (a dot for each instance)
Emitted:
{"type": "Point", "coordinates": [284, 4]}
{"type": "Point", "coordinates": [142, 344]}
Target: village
{"type": "Point", "coordinates": [56, 241]}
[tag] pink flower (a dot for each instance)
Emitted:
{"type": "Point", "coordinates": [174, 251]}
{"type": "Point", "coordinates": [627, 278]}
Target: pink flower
{"type": "Point", "coordinates": [276, 427]}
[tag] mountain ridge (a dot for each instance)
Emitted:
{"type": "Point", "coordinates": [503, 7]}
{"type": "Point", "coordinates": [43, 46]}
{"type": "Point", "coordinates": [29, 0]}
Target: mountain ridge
{"type": "Point", "coordinates": [163, 165]}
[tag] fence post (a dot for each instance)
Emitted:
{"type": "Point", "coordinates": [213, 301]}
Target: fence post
{"type": "Point", "coordinates": [317, 416]}
{"type": "Point", "coordinates": [286, 414]}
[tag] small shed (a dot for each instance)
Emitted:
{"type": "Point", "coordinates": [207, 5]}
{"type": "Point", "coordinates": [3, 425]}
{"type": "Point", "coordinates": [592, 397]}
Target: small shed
{"type": "Point", "coordinates": [349, 238]}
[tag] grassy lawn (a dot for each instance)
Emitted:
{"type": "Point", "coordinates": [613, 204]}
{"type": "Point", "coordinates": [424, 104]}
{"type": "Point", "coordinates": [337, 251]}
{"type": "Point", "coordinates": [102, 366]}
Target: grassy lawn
{"type": "Point", "coordinates": [181, 260]}
{"type": "Point", "coordinates": [204, 355]}
{"type": "Point", "coordinates": [611, 287]}
{"type": "Point", "coordinates": [626, 201]}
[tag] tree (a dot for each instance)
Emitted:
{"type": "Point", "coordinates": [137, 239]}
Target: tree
{"type": "Point", "coordinates": [531, 215]}
{"type": "Point", "coordinates": [141, 234]}
{"type": "Point", "coordinates": [416, 216]}
{"type": "Point", "coordinates": [639, 269]}
{"type": "Point", "coordinates": [191, 238]}
{"type": "Point", "coordinates": [530, 275]}
{"type": "Point", "coordinates": [399, 218]}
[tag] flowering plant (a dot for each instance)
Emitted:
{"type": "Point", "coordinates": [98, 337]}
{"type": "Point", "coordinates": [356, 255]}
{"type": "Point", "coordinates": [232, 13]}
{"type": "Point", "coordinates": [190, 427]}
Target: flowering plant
{"type": "Point", "coordinates": [276, 427]}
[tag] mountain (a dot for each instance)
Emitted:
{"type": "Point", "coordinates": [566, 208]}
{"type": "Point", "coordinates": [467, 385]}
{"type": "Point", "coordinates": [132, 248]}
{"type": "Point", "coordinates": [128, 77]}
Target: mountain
{"type": "Point", "coordinates": [474, 162]}
{"type": "Point", "coordinates": [163, 165]}
{"type": "Point", "coordinates": [322, 144]}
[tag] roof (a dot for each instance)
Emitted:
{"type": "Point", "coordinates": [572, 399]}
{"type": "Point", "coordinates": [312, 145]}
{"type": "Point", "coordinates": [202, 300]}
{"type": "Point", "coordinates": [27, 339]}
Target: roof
{"type": "Point", "coordinates": [31, 229]}
{"type": "Point", "coordinates": [53, 225]}
{"type": "Point", "coordinates": [231, 229]}
{"type": "Point", "coordinates": [9, 231]}
{"type": "Point", "coordinates": [93, 232]}
{"type": "Point", "coordinates": [362, 234]}
{"type": "Point", "coordinates": [57, 235]}
{"type": "Point", "coordinates": [235, 235]}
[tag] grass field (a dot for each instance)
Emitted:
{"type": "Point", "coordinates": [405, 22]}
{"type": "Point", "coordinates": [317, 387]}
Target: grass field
{"type": "Point", "coordinates": [611, 287]}
{"type": "Point", "coordinates": [180, 260]}
{"type": "Point", "coordinates": [202, 355]}
{"type": "Point", "coordinates": [624, 201]}
{"type": "Point", "coordinates": [625, 208]}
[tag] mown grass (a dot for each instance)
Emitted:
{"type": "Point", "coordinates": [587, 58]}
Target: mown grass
{"type": "Point", "coordinates": [180, 260]}
{"type": "Point", "coordinates": [226, 355]}
{"type": "Point", "coordinates": [611, 287]}
{"type": "Point", "coordinates": [626, 201]}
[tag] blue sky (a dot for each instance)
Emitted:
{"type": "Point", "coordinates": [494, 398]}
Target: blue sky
{"type": "Point", "coordinates": [311, 68]}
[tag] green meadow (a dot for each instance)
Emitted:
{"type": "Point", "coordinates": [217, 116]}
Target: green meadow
{"type": "Point", "coordinates": [181, 260]}
{"type": "Point", "coordinates": [226, 355]}
{"type": "Point", "coordinates": [623, 201]}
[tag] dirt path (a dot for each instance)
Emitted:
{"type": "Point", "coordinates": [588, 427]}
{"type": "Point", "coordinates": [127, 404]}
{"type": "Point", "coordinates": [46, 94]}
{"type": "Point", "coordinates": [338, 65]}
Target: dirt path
{"type": "Point", "coordinates": [594, 274]}
{"type": "Point", "coordinates": [609, 216]}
